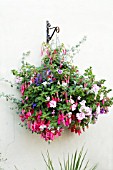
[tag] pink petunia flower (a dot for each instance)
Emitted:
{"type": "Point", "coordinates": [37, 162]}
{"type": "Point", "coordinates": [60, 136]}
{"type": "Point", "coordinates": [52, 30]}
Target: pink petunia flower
{"type": "Point", "coordinates": [71, 101]}
{"type": "Point", "coordinates": [88, 111]}
{"type": "Point", "coordinates": [80, 116]}
{"type": "Point", "coordinates": [53, 112]}
{"type": "Point", "coordinates": [83, 102]}
{"type": "Point", "coordinates": [18, 80]}
{"type": "Point", "coordinates": [95, 88]}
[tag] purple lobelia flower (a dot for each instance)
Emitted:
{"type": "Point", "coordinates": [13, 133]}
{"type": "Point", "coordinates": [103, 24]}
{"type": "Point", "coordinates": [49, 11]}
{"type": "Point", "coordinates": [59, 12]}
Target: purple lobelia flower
{"type": "Point", "coordinates": [38, 79]}
{"type": "Point", "coordinates": [48, 72]}
{"type": "Point", "coordinates": [60, 71]}
{"type": "Point", "coordinates": [50, 80]}
{"type": "Point", "coordinates": [33, 105]}
{"type": "Point", "coordinates": [102, 110]}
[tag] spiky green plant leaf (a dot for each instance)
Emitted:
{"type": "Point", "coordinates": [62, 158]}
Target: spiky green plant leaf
{"type": "Point", "coordinates": [74, 162]}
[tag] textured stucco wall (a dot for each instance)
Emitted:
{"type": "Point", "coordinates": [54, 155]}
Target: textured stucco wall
{"type": "Point", "coordinates": [22, 28]}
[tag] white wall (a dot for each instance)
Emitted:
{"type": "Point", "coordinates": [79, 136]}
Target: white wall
{"type": "Point", "coordinates": [22, 28]}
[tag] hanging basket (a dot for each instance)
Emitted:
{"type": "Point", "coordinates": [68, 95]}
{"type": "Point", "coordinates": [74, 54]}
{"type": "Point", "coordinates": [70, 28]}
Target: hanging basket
{"type": "Point", "coordinates": [55, 95]}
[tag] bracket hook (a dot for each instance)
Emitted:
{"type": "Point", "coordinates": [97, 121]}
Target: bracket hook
{"type": "Point", "coordinates": [48, 27]}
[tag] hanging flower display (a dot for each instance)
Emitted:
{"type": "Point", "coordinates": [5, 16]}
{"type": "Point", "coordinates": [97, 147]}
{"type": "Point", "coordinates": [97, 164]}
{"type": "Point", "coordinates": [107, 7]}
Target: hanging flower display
{"type": "Point", "coordinates": [55, 95]}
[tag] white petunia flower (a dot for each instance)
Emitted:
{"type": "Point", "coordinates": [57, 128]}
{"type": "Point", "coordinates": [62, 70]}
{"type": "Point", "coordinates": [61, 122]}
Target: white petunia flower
{"type": "Point", "coordinates": [98, 110]}
{"type": "Point", "coordinates": [52, 103]}
{"type": "Point", "coordinates": [44, 83]}
{"type": "Point", "coordinates": [78, 97]}
{"type": "Point", "coordinates": [71, 101]}
{"type": "Point", "coordinates": [101, 96]}
{"type": "Point", "coordinates": [42, 127]}
{"type": "Point", "coordinates": [69, 114]}
{"type": "Point", "coordinates": [48, 98]}
{"type": "Point", "coordinates": [73, 107]}
{"type": "Point", "coordinates": [64, 84]}
{"type": "Point", "coordinates": [83, 102]}
{"type": "Point", "coordinates": [58, 82]}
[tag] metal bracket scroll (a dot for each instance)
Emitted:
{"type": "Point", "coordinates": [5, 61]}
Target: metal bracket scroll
{"type": "Point", "coordinates": [48, 27]}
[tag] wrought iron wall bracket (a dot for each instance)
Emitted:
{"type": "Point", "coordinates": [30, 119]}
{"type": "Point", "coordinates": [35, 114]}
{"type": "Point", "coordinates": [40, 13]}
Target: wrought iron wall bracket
{"type": "Point", "coordinates": [48, 27]}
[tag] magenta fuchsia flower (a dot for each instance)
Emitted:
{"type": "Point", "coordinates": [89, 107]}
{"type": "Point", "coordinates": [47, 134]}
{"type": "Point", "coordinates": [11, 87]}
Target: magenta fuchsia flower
{"type": "Point", "coordinates": [60, 118]}
{"type": "Point", "coordinates": [22, 89]}
{"type": "Point", "coordinates": [28, 124]}
{"type": "Point", "coordinates": [64, 51]}
{"type": "Point", "coordinates": [28, 114]}
{"type": "Point", "coordinates": [78, 131]}
{"type": "Point", "coordinates": [48, 135]}
{"type": "Point", "coordinates": [65, 119]}
{"type": "Point", "coordinates": [26, 98]}
{"type": "Point", "coordinates": [68, 119]}
{"type": "Point", "coordinates": [23, 111]}
{"type": "Point", "coordinates": [22, 117]}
